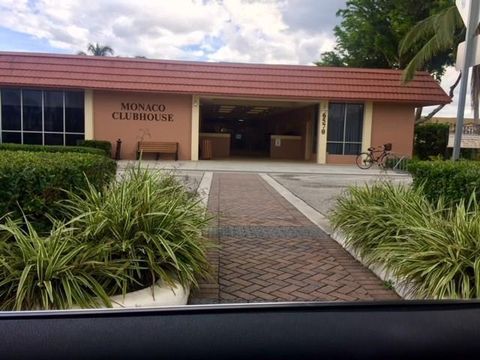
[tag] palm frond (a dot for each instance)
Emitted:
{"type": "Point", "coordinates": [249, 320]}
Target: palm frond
{"type": "Point", "coordinates": [419, 32]}
{"type": "Point", "coordinates": [432, 46]}
{"type": "Point", "coordinates": [446, 26]}
{"type": "Point", "coordinates": [433, 35]}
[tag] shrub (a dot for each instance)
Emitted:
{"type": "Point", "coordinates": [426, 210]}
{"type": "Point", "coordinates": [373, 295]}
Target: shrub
{"type": "Point", "coordinates": [451, 180]}
{"type": "Point", "coordinates": [435, 248]}
{"type": "Point", "coordinates": [431, 140]}
{"type": "Point", "coordinates": [151, 220]}
{"type": "Point", "coordinates": [50, 148]}
{"type": "Point", "coordinates": [103, 145]}
{"type": "Point", "coordinates": [34, 180]}
{"type": "Point", "coordinates": [55, 271]}
{"type": "Point", "coordinates": [143, 228]}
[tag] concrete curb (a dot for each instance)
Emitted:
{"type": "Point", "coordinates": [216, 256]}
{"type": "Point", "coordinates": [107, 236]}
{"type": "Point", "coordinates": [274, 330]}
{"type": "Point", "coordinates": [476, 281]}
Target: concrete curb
{"type": "Point", "coordinates": [159, 295]}
{"type": "Point", "coordinates": [258, 167]}
{"type": "Point", "coordinates": [203, 189]}
{"type": "Point", "coordinates": [403, 289]}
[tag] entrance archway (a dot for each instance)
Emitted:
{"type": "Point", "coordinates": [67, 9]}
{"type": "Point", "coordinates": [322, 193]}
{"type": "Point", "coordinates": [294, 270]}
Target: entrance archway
{"type": "Point", "coordinates": [257, 129]}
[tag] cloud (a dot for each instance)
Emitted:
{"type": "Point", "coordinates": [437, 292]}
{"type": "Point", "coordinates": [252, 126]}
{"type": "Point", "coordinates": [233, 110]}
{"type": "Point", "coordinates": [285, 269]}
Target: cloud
{"type": "Point", "coordinates": [273, 31]}
{"type": "Point", "coordinates": [312, 15]}
{"type": "Point", "coordinates": [261, 31]}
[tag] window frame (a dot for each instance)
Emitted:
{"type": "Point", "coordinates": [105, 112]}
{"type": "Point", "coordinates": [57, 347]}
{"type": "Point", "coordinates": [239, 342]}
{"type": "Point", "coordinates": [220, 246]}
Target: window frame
{"type": "Point", "coordinates": [21, 131]}
{"type": "Point", "coordinates": [344, 142]}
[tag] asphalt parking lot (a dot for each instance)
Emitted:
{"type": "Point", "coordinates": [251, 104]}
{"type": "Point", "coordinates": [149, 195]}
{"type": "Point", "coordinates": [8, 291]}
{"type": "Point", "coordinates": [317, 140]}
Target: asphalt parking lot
{"type": "Point", "coordinates": [320, 191]}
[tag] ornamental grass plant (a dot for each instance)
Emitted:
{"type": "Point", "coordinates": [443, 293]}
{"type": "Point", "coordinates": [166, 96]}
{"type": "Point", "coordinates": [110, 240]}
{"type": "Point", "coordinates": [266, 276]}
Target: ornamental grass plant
{"type": "Point", "coordinates": [148, 218]}
{"type": "Point", "coordinates": [55, 271]}
{"type": "Point", "coordinates": [434, 247]}
{"type": "Point", "coordinates": [141, 228]}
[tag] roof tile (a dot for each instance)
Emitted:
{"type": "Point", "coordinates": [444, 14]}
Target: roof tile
{"type": "Point", "coordinates": [228, 79]}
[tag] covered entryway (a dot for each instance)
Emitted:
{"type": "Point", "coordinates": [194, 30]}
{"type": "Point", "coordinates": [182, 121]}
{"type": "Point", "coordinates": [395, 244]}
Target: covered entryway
{"type": "Point", "coordinates": [257, 129]}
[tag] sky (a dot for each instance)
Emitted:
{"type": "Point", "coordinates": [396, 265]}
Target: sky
{"type": "Point", "coordinates": [260, 31]}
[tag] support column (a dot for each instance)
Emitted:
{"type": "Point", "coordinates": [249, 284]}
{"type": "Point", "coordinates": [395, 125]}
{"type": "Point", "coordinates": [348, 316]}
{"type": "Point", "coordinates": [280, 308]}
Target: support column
{"type": "Point", "coordinates": [308, 138]}
{"type": "Point", "coordinates": [89, 133]}
{"type": "Point", "coordinates": [322, 132]}
{"type": "Point", "coordinates": [367, 126]}
{"type": "Point", "coordinates": [195, 127]}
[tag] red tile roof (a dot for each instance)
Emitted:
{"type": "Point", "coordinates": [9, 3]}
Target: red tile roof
{"type": "Point", "coordinates": [294, 82]}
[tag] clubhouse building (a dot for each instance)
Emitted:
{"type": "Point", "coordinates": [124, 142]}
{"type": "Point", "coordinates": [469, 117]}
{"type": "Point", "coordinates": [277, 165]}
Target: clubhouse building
{"type": "Point", "coordinates": [211, 110]}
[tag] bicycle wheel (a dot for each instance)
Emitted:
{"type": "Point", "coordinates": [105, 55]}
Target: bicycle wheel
{"type": "Point", "coordinates": [364, 161]}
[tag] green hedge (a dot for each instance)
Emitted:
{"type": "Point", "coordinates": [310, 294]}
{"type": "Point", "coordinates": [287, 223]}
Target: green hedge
{"type": "Point", "coordinates": [431, 140]}
{"type": "Point", "coordinates": [34, 180]}
{"type": "Point", "coordinates": [452, 180]}
{"type": "Point", "coordinates": [104, 145]}
{"type": "Point", "coordinates": [51, 148]}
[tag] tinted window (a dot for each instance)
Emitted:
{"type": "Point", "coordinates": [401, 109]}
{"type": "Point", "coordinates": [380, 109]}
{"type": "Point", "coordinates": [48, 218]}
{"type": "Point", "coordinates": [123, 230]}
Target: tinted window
{"type": "Point", "coordinates": [74, 111]}
{"type": "Point", "coordinates": [33, 116]}
{"type": "Point", "coordinates": [11, 110]}
{"type": "Point", "coordinates": [336, 122]}
{"type": "Point", "coordinates": [354, 123]}
{"type": "Point", "coordinates": [73, 139]}
{"type": "Point", "coordinates": [53, 110]}
{"type": "Point", "coordinates": [345, 127]}
{"type": "Point", "coordinates": [53, 139]}
{"type": "Point", "coordinates": [32, 110]}
{"type": "Point", "coordinates": [11, 137]}
{"type": "Point", "coordinates": [334, 148]}
{"type": "Point", "coordinates": [32, 138]}
{"type": "Point", "coordinates": [352, 149]}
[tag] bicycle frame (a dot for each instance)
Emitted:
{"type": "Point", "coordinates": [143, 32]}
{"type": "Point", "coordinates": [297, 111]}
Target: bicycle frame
{"type": "Point", "coordinates": [378, 159]}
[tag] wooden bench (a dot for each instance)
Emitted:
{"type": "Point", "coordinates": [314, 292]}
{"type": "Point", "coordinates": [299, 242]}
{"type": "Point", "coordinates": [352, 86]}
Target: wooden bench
{"type": "Point", "coordinates": [158, 148]}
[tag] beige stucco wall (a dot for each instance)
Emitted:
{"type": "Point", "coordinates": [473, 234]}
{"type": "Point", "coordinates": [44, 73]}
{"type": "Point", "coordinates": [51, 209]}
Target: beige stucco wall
{"type": "Point", "coordinates": [394, 123]}
{"type": "Point", "coordinates": [341, 159]}
{"type": "Point", "coordinates": [390, 123]}
{"type": "Point", "coordinates": [131, 131]}
{"type": "Point", "coordinates": [384, 123]}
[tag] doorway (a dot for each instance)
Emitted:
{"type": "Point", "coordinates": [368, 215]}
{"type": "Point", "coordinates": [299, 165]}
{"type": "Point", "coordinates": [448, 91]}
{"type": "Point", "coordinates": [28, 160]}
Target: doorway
{"type": "Point", "coordinates": [257, 129]}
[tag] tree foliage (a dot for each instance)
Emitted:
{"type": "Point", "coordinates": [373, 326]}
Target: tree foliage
{"type": "Point", "coordinates": [439, 33]}
{"type": "Point", "coordinates": [431, 141]}
{"type": "Point", "coordinates": [97, 50]}
{"type": "Point", "coordinates": [371, 30]}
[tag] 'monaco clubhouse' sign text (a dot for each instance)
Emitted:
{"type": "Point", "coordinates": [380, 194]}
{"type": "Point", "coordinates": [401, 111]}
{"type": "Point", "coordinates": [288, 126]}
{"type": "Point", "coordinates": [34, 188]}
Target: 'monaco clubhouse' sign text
{"type": "Point", "coordinates": [142, 112]}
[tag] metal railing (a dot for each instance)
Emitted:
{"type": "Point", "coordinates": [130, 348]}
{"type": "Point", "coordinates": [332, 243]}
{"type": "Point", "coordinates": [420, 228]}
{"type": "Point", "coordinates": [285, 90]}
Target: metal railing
{"type": "Point", "coordinates": [397, 162]}
{"type": "Point", "coordinates": [467, 129]}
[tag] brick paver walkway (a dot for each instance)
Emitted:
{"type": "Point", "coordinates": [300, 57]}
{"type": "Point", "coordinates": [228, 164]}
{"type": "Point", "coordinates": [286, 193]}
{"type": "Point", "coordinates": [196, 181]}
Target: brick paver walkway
{"type": "Point", "coordinates": [269, 251]}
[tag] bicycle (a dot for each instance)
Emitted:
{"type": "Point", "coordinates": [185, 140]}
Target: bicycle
{"type": "Point", "coordinates": [365, 160]}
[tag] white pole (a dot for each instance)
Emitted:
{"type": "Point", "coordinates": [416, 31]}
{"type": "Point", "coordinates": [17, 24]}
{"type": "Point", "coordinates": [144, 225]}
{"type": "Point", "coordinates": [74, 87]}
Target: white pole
{"type": "Point", "coordinates": [469, 38]}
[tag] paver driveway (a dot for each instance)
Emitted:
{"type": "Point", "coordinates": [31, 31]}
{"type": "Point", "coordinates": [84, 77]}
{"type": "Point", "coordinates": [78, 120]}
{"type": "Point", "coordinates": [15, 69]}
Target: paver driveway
{"type": "Point", "coordinates": [269, 251]}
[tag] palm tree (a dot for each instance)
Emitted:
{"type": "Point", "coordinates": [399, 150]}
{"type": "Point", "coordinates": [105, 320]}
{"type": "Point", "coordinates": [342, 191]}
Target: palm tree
{"type": "Point", "coordinates": [98, 50]}
{"type": "Point", "coordinates": [438, 33]}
